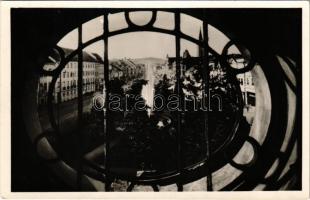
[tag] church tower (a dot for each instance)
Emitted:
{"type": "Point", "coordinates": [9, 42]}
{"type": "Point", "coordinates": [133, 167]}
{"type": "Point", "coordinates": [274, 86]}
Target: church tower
{"type": "Point", "coordinates": [200, 48]}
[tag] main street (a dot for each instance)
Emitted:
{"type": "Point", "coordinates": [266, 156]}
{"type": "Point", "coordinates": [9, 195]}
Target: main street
{"type": "Point", "coordinates": [65, 113]}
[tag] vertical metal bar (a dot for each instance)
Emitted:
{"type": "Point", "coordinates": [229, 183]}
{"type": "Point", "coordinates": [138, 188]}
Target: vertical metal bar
{"type": "Point", "coordinates": [178, 83]}
{"type": "Point", "coordinates": [206, 71]}
{"type": "Point", "coordinates": [59, 100]}
{"type": "Point", "coordinates": [244, 89]}
{"type": "Point", "coordinates": [107, 91]}
{"type": "Point", "coordinates": [80, 107]}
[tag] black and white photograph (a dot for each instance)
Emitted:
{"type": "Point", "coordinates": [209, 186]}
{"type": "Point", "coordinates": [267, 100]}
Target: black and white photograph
{"type": "Point", "coordinates": [177, 98]}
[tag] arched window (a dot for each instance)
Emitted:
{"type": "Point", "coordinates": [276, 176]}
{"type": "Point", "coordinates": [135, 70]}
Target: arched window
{"type": "Point", "coordinates": [178, 102]}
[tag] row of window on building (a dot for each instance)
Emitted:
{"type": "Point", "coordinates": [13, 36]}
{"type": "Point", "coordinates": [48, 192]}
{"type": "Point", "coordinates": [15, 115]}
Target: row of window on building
{"type": "Point", "coordinates": [93, 78]}
{"type": "Point", "coordinates": [247, 81]}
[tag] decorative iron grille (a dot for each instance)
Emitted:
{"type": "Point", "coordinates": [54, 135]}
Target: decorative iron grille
{"type": "Point", "coordinates": [269, 166]}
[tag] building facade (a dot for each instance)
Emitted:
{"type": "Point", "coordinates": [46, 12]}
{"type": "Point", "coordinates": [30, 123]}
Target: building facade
{"type": "Point", "coordinates": [66, 84]}
{"type": "Point", "coordinates": [93, 76]}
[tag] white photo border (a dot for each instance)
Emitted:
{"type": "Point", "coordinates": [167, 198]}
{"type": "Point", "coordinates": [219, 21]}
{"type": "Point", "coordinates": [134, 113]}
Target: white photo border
{"type": "Point", "coordinates": [5, 100]}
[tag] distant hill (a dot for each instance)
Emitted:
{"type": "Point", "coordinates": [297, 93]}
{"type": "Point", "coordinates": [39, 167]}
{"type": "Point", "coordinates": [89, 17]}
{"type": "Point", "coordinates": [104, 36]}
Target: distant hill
{"type": "Point", "coordinates": [148, 60]}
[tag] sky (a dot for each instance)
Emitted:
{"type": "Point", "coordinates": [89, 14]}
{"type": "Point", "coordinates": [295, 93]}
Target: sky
{"type": "Point", "coordinates": [143, 44]}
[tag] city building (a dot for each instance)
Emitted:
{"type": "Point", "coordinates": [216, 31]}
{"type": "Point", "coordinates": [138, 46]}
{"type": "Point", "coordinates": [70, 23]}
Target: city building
{"type": "Point", "coordinates": [246, 81]}
{"type": "Point", "coordinates": [66, 84]}
{"type": "Point", "coordinates": [93, 75]}
{"type": "Point", "coordinates": [187, 61]}
{"type": "Point", "coordinates": [247, 88]}
{"type": "Point", "coordinates": [126, 69]}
